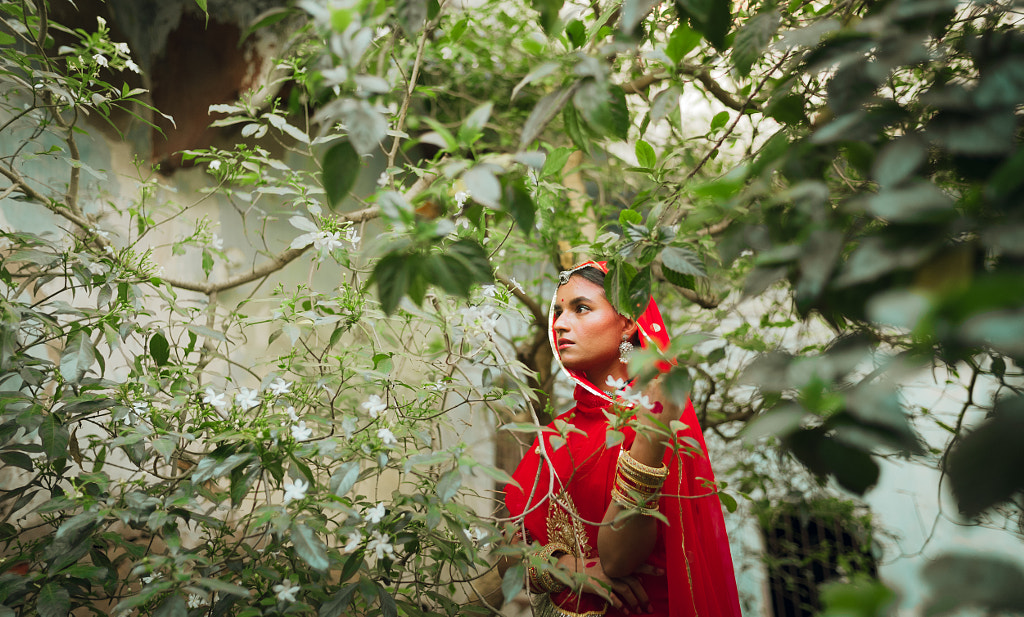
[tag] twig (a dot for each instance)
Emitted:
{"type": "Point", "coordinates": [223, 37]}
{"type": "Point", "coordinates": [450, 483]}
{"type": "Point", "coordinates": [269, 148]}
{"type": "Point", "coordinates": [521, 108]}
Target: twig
{"type": "Point", "coordinates": [410, 88]}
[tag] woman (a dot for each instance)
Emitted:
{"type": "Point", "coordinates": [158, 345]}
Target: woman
{"type": "Point", "coordinates": [571, 489]}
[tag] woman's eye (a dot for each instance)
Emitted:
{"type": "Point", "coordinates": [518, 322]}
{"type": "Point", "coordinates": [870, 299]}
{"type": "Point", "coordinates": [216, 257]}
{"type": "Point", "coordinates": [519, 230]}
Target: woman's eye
{"type": "Point", "coordinates": [581, 308]}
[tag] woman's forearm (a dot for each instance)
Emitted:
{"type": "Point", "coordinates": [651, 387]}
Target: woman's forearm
{"type": "Point", "coordinates": [624, 546]}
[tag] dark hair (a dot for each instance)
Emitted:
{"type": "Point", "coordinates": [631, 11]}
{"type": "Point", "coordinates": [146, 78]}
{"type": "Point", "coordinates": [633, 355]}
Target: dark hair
{"type": "Point", "coordinates": [596, 276]}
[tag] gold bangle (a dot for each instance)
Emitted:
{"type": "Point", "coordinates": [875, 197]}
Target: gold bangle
{"type": "Point", "coordinates": [653, 486]}
{"type": "Point", "coordinates": [634, 465]}
{"type": "Point", "coordinates": [543, 579]}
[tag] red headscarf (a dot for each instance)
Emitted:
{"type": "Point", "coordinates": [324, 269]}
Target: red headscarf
{"type": "Point", "coordinates": [693, 548]}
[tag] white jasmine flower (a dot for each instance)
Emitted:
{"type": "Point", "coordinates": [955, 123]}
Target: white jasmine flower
{"type": "Point", "coordinates": [280, 386]}
{"type": "Point", "coordinates": [217, 243]}
{"type": "Point", "coordinates": [122, 48]}
{"type": "Point", "coordinates": [102, 23]}
{"type": "Point", "coordinates": [286, 591]}
{"type": "Point", "coordinates": [381, 543]}
{"type": "Point", "coordinates": [327, 241]}
{"type": "Point", "coordinates": [461, 197]}
{"type": "Point", "coordinates": [386, 436]}
{"type": "Point", "coordinates": [96, 268]}
{"type": "Point", "coordinates": [374, 406]}
{"type": "Point", "coordinates": [616, 384]}
{"type": "Point", "coordinates": [640, 399]}
{"type": "Point", "coordinates": [462, 222]}
{"type": "Point", "coordinates": [352, 236]}
{"type": "Point", "coordinates": [376, 513]}
{"type": "Point", "coordinates": [476, 534]}
{"type": "Point", "coordinates": [296, 490]}
{"type": "Point", "coordinates": [516, 284]}
{"type": "Point", "coordinates": [383, 179]}
{"type": "Point", "coordinates": [246, 399]}
{"type": "Point", "coordinates": [152, 577]}
{"type": "Point", "coordinates": [300, 432]}
{"type": "Point", "coordinates": [140, 407]}
{"type": "Point", "coordinates": [489, 290]}
{"type": "Point", "coordinates": [215, 399]}
{"type": "Point", "coordinates": [100, 59]}
{"type": "Point", "coordinates": [354, 540]}
{"type": "Point", "coordinates": [195, 601]}
{"type": "Point", "coordinates": [291, 414]}
{"type": "Point", "coordinates": [214, 165]}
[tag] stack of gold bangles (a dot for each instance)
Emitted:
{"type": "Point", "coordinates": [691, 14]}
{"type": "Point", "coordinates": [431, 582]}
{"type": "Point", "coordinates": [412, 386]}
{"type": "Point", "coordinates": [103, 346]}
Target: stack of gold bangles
{"type": "Point", "coordinates": [636, 485]}
{"type": "Point", "coordinates": [542, 580]}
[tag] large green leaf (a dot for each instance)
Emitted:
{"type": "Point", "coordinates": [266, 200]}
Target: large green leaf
{"type": "Point", "coordinates": [393, 275]}
{"type": "Point", "coordinates": [53, 601]}
{"type": "Point", "coordinates": [603, 107]}
{"type": "Point", "coordinates": [712, 18]}
{"type": "Point", "coordinates": [55, 437]}
{"type": "Point", "coordinates": [753, 38]}
{"type": "Point", "coordinates": [309, 547]}
{"type": "Point", "coordinates": [77, 357]}
{"type": "Point", "coordinates": [341, 166]}
{"type": "Point", "coordinates": [336, 605]}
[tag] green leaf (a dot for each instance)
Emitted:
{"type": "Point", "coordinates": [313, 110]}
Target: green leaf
{"type": "Point", "coordinates": [309, 547]}
{"type": "Point", "coordinates": [449, 485]}
{"type": "Point", "coordinates": [542, 113]}
{"type": "Point", "coordinates": [214, 584]}
{"type": "Point", "coordinates": [919, 201]}
{"type": "Point", "coordinates": [554, 163]}
{"type": "Point", "coordinates": [344, 478]}
{"type": "Point", "coordinates": [576, 32]}
{"type": "Point", "coordinates": [645, 155]}
{"type": "Point", "coordinates": [575, 129]}
{"type": "Point", "coordinates": [53, 601]}
{"type": "Point", "coordinates": [520, 206]}
{"type": "Point", "coordinates": [973, 584]}
{"type": "Point", "coordinates": [753, 38]}
{"type": "Point", "coordinates": [55, 438]}
{"type": "Point", "coordinates": [548, 10]}
{"type": "Point", "coordinates": [336, 605]}
{"type": "Point", "coordinates": [483, 186]}
{"type": "Point", "coordinates": [387, 602]}
{"type": "Point", "coordinates": [718, 121]}
{"type": "Point", "coordinates": [341, 166]}
{"type": "Point", "coordinates": [728, 501]}
{"type": "Point", "coordinates": [682, 41]}
{"type": "Point", "coordinates": [603, 108]}
{"type": "Point", "coordinates": [635, 11]}
{"type": "Point", "coordinates": [213, 466]}
{"type": "Point", "coordinates": [512, 582]}
{"type": "Point", "coordinates": [898, 160]}
{"type": "Point", "coordinates": [473, 126]}
{"type": "Point", "coordinates": [207, 262]}
{"type": "Point", "coordinates": [712, 18]}
{"type": "Point", "coordinates": [630, 217]}
{"type": "Point", "coordinates": [639, 293]}
{"type": "Point", "coordinates": [173, 606]}
{"type": "Point", "coordinates": [17, 459]}
{"type": "Point", "coordinates": [682, 261]}
{"type": "Point", "coordinates": [393, 274]}
{"type": "Point", "coordinates": [617, 281]}
{"type": "Point", "coordinates": [78, 356]}
{"type": "Point", "coordinates": [984, 465]}
{"type": "Point", "coordinates": [159, 349]}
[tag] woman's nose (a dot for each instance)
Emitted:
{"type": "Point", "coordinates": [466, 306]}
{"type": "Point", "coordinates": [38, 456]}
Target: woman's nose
{"type": "Point", "coordinates": [560, 324]}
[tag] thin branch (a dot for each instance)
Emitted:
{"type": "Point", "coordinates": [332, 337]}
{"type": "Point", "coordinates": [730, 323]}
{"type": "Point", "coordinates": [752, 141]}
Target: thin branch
{"type": "Point", "coordinates": [410, 89]}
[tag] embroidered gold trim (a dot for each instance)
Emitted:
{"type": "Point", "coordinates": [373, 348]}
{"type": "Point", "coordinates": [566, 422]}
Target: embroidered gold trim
{"type": "Point", "coordinates": [543, 606]}
{"type": "Point", "coordinates": [565, 526]}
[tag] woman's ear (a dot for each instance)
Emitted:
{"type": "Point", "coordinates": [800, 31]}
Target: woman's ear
{"type": "Point", "coordinates": [629, 328]}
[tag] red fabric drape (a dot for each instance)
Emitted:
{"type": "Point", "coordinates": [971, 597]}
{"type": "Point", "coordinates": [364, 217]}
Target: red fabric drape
{"type": "Point", "coordinates": [692, 548]}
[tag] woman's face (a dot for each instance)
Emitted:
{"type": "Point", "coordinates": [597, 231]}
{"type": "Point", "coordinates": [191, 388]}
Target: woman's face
{"type": "Point", "coordinates": [588, 330]}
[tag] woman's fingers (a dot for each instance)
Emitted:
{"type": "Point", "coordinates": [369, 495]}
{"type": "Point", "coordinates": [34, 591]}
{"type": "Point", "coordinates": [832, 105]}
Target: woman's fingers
{"type": "Point", "coordinates": [643, 602]}
{"type": "Point", "coordinates": [625, 590]}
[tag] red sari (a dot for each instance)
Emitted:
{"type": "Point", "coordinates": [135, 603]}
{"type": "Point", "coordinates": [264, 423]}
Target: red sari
{"type": "Point", "coordinates": [567, 505]}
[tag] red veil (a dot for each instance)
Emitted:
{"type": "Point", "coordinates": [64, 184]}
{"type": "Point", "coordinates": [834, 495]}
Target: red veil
{"type": "Point", "coordinates": [692, 549]}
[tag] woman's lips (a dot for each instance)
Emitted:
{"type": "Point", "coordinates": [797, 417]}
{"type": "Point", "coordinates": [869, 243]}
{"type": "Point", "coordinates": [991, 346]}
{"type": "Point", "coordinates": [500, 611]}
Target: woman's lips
{"type": "Point", "coordinates": [563, 343]}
